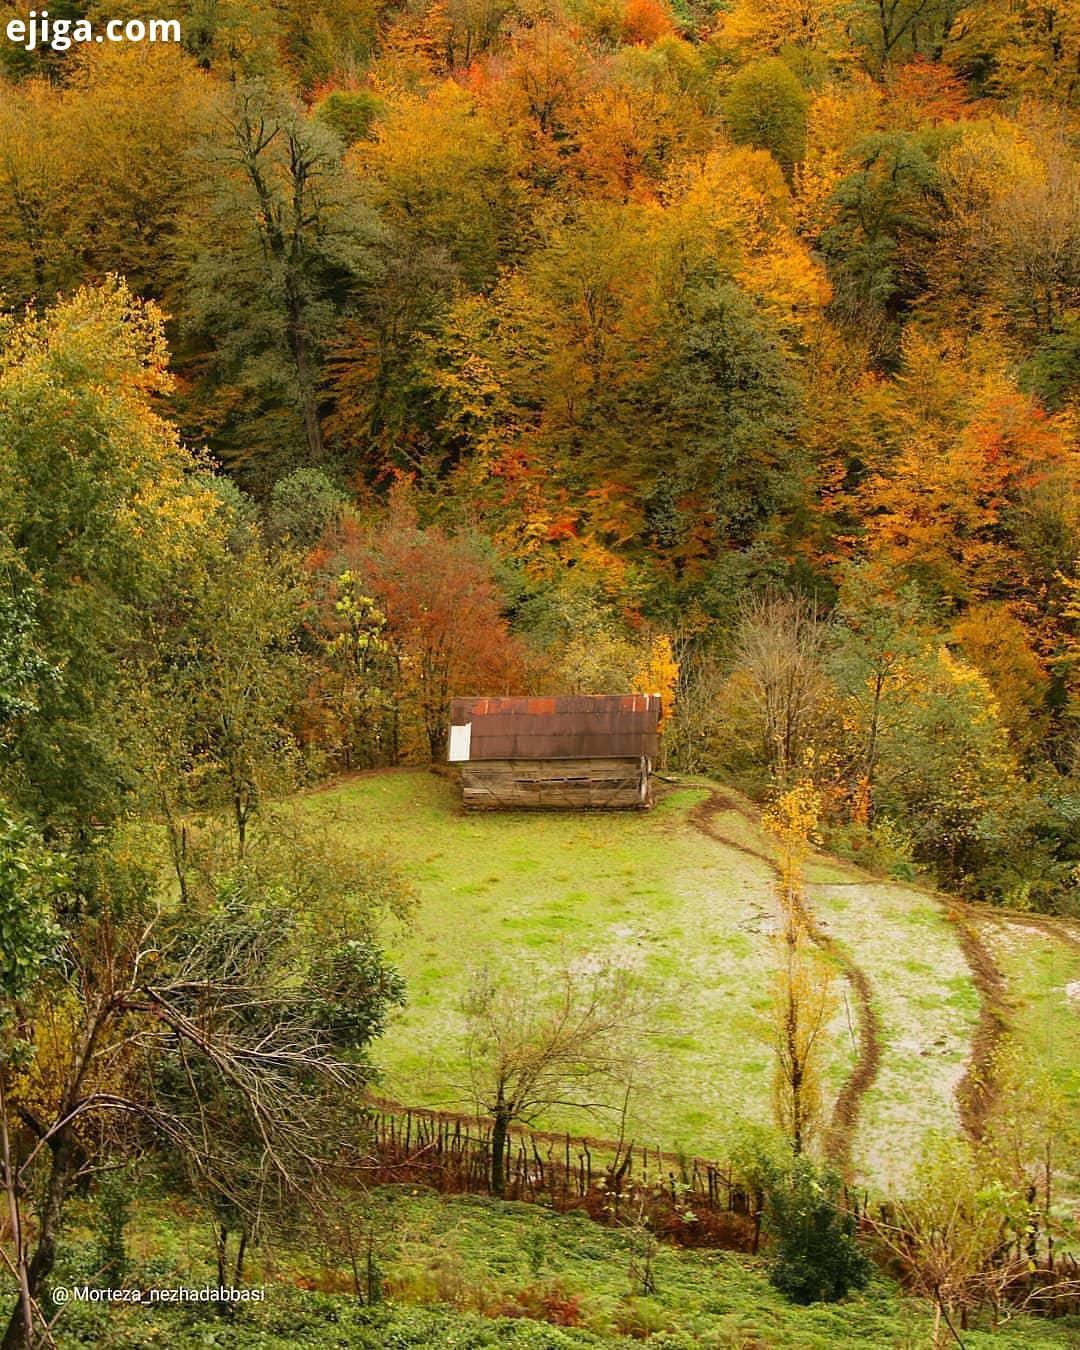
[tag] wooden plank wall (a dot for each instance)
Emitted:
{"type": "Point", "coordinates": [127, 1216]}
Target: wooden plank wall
{"type": "Point", "coordinates": [568, 784]}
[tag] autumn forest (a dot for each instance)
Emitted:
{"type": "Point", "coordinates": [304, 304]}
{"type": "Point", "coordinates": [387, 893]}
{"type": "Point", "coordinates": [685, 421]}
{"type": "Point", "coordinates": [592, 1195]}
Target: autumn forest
{"type": "Point", "coordinates": [359, 355]}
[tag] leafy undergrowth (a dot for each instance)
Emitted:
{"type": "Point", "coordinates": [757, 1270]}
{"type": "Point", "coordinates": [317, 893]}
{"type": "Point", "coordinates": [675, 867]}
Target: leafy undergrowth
{"type": "Point", "coordinates": [473, 1272]}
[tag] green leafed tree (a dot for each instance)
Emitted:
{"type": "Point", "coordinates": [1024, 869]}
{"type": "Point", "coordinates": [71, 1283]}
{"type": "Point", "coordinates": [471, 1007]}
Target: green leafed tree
{"type": "Point", "coordinates": [99, 511]}
{"type": "Point", "coordinates": [224, 682]}
{"type": "Point", "coordinates": [766, 107]}
{"type": "Point", "coordinates": [275, 246]}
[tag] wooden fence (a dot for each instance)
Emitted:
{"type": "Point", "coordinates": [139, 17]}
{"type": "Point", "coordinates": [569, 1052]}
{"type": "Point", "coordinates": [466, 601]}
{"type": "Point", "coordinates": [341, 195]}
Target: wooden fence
{"type": "Point", "coordinates": [687, 1200]}
{"type": "Point", "coordinates": [684, 1199]}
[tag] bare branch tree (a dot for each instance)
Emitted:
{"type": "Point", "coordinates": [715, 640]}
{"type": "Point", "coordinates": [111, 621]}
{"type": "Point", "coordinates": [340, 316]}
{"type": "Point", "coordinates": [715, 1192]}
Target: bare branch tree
{"type": "Point", "coordinates": [531, 1048]}
{"type": "Point", "coordinates": [780, 650]}
{"type": "Point", "coordinates": [226, 1036]}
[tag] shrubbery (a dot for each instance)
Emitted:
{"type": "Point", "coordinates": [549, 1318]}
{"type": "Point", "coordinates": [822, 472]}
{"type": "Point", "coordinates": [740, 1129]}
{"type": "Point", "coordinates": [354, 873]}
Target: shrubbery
{"type": "Point", "coordinates": [817, 1258]}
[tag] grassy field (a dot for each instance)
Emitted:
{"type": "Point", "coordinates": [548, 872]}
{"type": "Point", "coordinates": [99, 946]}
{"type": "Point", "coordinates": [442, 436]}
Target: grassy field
{"type": "Point", "coordinates": [1043, 975]}
{"type": "Point", "coordinates": [472, 1272]}
{"type": "Point", "coordinates": [519, 892]}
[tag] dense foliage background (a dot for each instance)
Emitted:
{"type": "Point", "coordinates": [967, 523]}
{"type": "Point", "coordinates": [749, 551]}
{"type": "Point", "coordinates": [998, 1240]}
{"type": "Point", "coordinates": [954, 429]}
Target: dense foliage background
{"type": "Point", "coordinates": [576, 346]}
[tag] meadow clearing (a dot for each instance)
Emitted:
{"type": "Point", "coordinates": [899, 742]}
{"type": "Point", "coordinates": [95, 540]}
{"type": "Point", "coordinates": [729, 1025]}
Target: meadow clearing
{"type": "Point", "coordinates": [685, 892]}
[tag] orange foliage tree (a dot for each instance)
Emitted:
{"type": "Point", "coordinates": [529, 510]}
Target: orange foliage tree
{"type": "Point", "coordinates": [443, 622]}
{"type": "Point", "coordinates": [974, 454]}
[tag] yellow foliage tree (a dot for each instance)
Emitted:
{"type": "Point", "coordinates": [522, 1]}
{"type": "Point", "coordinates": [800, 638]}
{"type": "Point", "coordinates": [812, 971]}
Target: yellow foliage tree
{"type": "Point", "coordinates": [443, 172]}
{"type": "Point", "coordinates": [734, 207]}
{"type": "Point", "coordinates": [970, 455]}
{"type": "Point", "coordinates": [1033, 46]}
{"type": "Point", "coordinates": [659, 674]}
{"type": "Point", "coordinates": [1010, 238]}
{"type": "Point", "coordinates": [802, 995]}
{"type": "Point", "coordinates": [996, 642]}
{"type": "Point", "coordinates": [792, 820]}
{"type": "Point", "coordinates": [838, 117]}
{"type": "Point", "coordinates": [763, 27]}
{"type": "Point", "coordinates": [803, 1002]}
{"type": "Point", "coordinates": [37, 255]}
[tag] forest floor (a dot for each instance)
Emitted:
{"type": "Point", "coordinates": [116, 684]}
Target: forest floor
{"type": "Point", "coordinates": [931, 987]}
{"type": "Point", "coordinates": [470, 1272]}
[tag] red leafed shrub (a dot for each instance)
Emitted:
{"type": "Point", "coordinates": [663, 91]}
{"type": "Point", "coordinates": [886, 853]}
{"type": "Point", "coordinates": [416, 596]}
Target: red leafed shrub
{"type": "Point", "coordinates": [732, 1232]}
{"type": "Point", "coordinates": [545, 1303]}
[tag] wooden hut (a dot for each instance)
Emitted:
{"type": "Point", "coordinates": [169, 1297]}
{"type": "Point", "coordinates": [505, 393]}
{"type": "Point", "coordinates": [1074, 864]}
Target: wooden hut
{"type": "Point", "coordinates": [587, 751]}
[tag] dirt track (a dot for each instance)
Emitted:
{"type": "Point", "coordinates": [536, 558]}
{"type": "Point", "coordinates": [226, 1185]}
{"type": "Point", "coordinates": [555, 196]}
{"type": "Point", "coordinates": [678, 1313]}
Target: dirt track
{"type": "Point", "coordinates": [845, 1117]}
{"type": "Point", "coordinates": [978, 1089]}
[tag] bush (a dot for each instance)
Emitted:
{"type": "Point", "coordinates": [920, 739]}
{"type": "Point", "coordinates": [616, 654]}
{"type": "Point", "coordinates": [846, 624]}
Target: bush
{"type": "Point", "coordinates": [302, 505]}
{"type": "Point", "coordinates": [114, 1192]}
{"type": "Point", "coordinates": [642, 1318]}
{"type": "Point", "coordinates": [241, 511]}
{"type": "Point", "coordinates": [817, 1259]}
{"type": "Point", "coordinates": [766, 108]}
{"type": "Point", "coordinates": [550, 1303]}
{"type": "Point", "coordinates": [885, 847]}
{"type": "Point", "coordinates": [350, 113]}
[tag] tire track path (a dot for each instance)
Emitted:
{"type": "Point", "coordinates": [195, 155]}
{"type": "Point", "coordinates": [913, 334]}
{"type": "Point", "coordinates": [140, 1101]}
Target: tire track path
{"type": "Point", "coordinates": [978, 1090]}
{"type": "Point", "coordinates": [840, 1135]}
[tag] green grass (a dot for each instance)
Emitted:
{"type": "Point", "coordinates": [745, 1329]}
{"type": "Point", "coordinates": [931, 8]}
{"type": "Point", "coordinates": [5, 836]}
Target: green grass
{"type": "Point", "coordinates": [475, 1272]}
{"type": "Point", "coordinates": [1046, 1021]}
{"type": "Point", "coordinates": [521, 892]}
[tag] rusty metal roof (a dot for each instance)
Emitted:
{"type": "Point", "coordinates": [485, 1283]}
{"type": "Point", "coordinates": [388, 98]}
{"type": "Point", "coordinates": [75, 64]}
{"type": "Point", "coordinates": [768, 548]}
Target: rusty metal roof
{"type": "Point", "coordinates": [585, 726]}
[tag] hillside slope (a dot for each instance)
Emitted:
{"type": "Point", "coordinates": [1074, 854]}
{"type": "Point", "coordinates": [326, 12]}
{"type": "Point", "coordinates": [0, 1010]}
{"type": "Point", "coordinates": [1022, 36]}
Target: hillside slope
{"type": "Point", "coordinates": [685, 892]}
{"type": "Point", "coordinates": [470, 1272]}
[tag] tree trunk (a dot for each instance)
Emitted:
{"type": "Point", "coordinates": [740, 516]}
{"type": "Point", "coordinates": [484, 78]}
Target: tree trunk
{"type": "Point", "coordinates": [221, 1245]}
{"type": "Point", "coordinates": [178, 844]}
{"type": "Point", "coordinates": [796, 1113]}
{"type": "Point", "coordinates": [25, 1303]}
{"type": "Point", "coordinates": [374, 1280]}
{"type": "Point", "coordinates": [241, 811]}
{"type": "Point", "coordinates": [44, 1258]}
{"type": "Point", "coordinates": [304, 376]}
{"type": "Point", "coordinates": [241, 1252]}
{"type": "Point", "coordinates": [436, 733]}
{"type": "Point", "coordinates": [291, 260]}
{"type": "Point", "coordinates": [870, 766]}
{"type": "Point", "coordinates": [499, 1136]}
